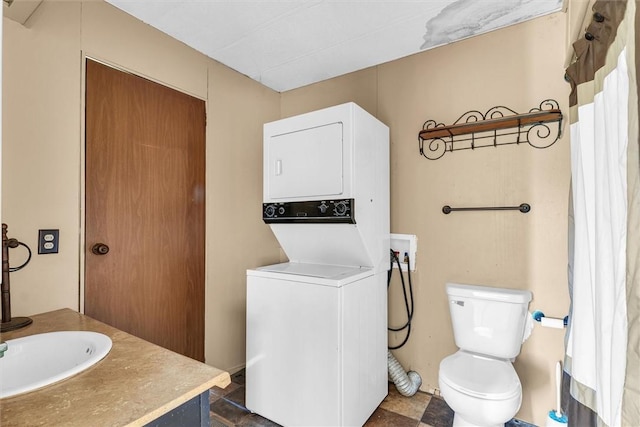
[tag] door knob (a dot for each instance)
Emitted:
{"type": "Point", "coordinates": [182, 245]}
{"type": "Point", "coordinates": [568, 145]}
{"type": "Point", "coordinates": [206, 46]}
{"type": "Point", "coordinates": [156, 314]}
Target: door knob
{"type": "Point", "coordinates": [100, 249]}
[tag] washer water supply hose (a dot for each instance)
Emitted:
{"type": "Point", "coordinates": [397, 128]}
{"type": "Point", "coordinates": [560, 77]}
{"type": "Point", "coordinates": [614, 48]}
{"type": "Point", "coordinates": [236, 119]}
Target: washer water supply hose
{"type": "Point", "coordinates": [407, 383]}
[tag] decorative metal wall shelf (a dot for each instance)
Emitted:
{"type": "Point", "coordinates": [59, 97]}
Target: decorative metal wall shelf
{"type": "Point", "coordinates": [540, 127]}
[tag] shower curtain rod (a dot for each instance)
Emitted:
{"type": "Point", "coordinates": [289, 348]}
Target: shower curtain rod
{"type": "Point", "coordinates": [524, 208]}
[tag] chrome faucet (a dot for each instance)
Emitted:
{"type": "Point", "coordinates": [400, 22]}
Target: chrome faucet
{"type": "Point", "coordinates": [3, 347]}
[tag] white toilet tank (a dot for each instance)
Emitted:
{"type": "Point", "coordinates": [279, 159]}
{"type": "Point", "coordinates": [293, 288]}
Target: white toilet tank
{"type": "Point", "coordinates": [488, 320]}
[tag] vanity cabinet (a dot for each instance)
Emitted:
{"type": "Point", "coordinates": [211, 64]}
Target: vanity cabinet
{"type": "Point", "coordinates": [193, 413]}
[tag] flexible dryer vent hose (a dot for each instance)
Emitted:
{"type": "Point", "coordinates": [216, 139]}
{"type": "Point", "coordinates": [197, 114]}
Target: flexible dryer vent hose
{"type": "Point", "coordinates": [407, 383]}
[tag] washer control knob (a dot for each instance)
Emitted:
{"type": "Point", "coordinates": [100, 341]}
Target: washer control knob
{"type": "Point", "coordinates": [281, 210]}
{"type": "Point", "coordinates": [270, 211]}
{"type": "Point", "coordinates": [340, 208]}
{"type": "Point", "coordinates": [323, 208]}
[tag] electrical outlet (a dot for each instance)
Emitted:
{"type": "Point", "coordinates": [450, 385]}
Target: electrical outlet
{"type": "Point", "coordinates": [48, 241]}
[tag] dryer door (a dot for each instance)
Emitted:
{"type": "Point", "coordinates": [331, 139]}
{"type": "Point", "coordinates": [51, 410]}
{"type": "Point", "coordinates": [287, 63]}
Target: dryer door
{"type": "Point", "coordinates": [305, 163]}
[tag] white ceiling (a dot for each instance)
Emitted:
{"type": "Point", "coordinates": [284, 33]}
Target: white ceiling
{"type": "Point", "coordinates": [292, 43]}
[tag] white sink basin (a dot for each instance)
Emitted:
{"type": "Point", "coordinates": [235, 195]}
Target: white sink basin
{"type": "Point", "coordinates": [39, 360]}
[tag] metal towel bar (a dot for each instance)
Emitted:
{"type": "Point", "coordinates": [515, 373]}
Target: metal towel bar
{"type": "Point", "coordinates": [524, 208]}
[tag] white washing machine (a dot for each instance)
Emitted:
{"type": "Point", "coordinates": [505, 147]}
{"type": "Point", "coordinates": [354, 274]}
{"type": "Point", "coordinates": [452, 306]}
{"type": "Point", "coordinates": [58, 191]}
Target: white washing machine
{"type": "Point", "coordinates": [317, 325]}
{"type": "Point", "coordinates": [311, 329]}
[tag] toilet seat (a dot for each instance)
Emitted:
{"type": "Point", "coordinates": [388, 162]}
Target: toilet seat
{"type": "Point", "coordinates": [480, 376]}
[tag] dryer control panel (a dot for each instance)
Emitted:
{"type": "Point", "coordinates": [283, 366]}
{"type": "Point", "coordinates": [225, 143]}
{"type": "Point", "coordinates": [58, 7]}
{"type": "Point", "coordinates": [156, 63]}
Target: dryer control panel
{"type": "Point", "coordinates": [339, 211]}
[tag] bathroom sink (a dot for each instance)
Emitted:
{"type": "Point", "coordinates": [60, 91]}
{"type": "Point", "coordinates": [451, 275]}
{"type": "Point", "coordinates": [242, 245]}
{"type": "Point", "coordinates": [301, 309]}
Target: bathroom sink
{"type": "Point", "coordinates": [38, 360]}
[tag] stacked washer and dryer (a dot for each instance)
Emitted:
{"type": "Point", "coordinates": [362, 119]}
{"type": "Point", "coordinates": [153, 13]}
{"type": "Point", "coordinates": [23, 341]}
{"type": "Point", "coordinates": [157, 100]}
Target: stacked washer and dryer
{"type": "Point", "coordinates": [317, 325]}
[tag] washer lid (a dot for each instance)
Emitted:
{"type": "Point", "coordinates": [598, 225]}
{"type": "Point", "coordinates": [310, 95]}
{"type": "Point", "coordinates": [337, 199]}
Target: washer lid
{"type": "Point", "coordinates": [321, 274]}
{"type": "Point", "coordinates": [480, 376]}
{"type": "Point", "coordinates": [324, 271]}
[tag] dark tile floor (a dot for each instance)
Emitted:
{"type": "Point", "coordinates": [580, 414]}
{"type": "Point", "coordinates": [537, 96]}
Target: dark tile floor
{"type": "Point", "coordinates": [420, 410]}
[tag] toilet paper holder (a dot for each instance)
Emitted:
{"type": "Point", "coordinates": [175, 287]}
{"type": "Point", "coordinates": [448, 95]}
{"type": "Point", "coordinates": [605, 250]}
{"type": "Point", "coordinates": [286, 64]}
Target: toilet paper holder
{"type": "Point", "coordinates": [552, 322]}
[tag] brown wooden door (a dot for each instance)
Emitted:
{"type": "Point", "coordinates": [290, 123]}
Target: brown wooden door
{"type": "Point", "coordinates": [145, 200]}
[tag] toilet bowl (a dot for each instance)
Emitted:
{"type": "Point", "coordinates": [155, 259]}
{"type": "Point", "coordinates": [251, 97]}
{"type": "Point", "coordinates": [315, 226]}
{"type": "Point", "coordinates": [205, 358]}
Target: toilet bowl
{"type": "Point", "coordinates": [478, 382]}
{"type": "Point", "coordinates": [482, 391]}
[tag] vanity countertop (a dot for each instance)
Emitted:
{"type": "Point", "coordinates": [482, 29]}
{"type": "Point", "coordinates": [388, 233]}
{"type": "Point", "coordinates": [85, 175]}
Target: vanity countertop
{"type": "Point", "coordinates": [134, 384]}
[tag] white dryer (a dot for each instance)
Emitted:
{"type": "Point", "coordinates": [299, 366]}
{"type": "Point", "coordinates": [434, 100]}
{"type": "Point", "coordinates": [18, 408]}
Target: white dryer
{"type": "Point", "coordinates": [339, 156]}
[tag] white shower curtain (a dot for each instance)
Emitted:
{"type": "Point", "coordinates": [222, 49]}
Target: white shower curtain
{"type": "Point", "coordinates": [599, 322]}
{"type": "Point", "coordinates": [602, 354]}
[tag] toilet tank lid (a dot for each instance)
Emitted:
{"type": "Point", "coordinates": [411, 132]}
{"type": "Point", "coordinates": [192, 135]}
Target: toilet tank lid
{"type": "Point", "coordinates": [488, 293]}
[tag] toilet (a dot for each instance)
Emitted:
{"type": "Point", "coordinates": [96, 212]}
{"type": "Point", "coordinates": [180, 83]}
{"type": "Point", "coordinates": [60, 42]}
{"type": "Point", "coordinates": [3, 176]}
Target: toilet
{"type": "Point", "coordinates": [478, 381]}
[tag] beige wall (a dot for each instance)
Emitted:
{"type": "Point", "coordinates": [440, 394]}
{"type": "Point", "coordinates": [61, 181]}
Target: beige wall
{"type": "Point", "coordinates": [43, 156]}
{"type": "Point", "coordinates": [517, 67]}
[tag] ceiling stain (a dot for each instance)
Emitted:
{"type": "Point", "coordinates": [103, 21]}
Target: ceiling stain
{"type": "Point", "coordinates": [466, 18]}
